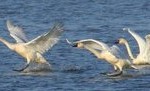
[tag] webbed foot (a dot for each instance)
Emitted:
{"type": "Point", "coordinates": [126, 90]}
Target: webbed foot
{"type": "Point", "coordinates": [118, 73]}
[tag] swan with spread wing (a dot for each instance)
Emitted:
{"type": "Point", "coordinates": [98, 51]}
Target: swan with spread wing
{"type": "Point", "coordinates": [142, 57]}
{"type": "Point", "coordinates": [32, 50]}
{"type": "Point", "coordinates": [103, 51]}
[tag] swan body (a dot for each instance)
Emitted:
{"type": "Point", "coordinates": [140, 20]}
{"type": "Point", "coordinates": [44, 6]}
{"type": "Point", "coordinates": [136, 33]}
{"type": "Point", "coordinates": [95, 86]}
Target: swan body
{"type": "Point", "coordinates": [32, 50]}
{"type": "Point", "coordinates": [103, 51]}
{"type": "Point", "coordinates": [142, 56]}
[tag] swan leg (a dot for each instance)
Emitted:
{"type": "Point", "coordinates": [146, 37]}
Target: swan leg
{"type": "Point", "coordinates": [132, 66]}
{"type": "Point", "coordinates": [115, 68]}
{"type": "Point", "coordinates": [22, 69]}
{"type": "Point", "coordinates": [118, 73]}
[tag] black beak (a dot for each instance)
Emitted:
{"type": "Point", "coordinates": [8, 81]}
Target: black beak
{"type": "Point", "coordinates": [116, 42]}
{"type": "Point", "coordinates": [74, 45]}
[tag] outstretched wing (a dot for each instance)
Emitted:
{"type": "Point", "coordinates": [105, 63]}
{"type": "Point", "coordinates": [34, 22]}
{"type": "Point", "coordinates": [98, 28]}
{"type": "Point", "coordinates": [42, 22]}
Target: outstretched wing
{"type": "Point", "coordinates": [141, 42]}
{"type": "Point", "coordinates": [98, 45]}
{"type": "Point", "coordinates": [46, 41]}
{"type": "Point", "coordinates": [16, 32]}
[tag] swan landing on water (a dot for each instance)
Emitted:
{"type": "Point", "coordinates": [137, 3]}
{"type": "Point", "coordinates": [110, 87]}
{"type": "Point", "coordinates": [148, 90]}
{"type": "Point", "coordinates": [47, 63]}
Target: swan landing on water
{"type": "Point", "coordinates": [103, 51]}
{"type": "Point", "coordinates": [143, 57]}
{"type": "Point", "coordinates": [32, 50]}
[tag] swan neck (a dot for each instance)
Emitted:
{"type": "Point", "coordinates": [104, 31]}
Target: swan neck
{"type": "Point", "coordinates": [129, 50]}
{"type": "Point", "coordinates": [9, 45]}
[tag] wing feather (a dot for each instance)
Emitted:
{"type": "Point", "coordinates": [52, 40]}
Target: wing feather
{"type": "Point", "coordinates": [94, 44]}
{"type": "Point", "coordinates": [16, 32]}
{"type": "Point", "coordinates": [46, 41]}
{"type": "Point", "coordinates": [141, 42]}
{"type": "Point", "coordinates": [117, 52]}
{"type": "Point", "coordinates": [146, 53]}
{"type": "Point", "coordinates": [101, 46]}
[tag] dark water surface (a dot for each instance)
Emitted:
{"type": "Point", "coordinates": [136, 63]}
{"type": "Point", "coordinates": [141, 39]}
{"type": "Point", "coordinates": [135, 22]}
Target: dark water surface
{"type": "Point", "coordinates": [73, 69]}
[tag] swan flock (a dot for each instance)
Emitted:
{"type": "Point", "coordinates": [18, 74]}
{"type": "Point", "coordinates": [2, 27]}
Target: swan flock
{"type": "Point", "coordinates": [33, 50]}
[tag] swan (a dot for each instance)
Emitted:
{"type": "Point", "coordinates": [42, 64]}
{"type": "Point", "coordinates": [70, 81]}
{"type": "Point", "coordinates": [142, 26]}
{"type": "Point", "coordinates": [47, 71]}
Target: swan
{"type": "Point", "coordinates": [103, 51]}
{"type": "Point", "coordinates": [32, 50]}
{"type": "Point", "coordinates": [142, 57]}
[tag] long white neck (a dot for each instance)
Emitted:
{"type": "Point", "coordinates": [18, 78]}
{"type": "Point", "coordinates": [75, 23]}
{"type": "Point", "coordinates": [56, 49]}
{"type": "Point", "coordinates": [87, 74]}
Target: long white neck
{"type": "Point", "coordinates": [129, 50]}
{"type": "Point", "coordinates": [9, 45]}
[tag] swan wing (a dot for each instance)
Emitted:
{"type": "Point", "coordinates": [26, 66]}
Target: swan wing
{"type": "Point", "coordinates": [46, 41]}
{"type": "Point", "coordinates": [94, 44]}
{"type": "Point", "coordinates": [16, 32]}
{"type": "Point", "coordinates": [141, 42]}
{"type": "Point", "coordinates": [99, 47]}
{"type": "Point", "coordinates": [147, 48]}
{"type": "Point", "coordinates": [115, 50]}
{"type": "Point", "coordinates": [147, 37]}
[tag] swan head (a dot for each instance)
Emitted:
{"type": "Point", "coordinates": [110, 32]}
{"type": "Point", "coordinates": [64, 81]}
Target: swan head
{"type": "Point", "coordinates": [75, 44]}
{"type": "Point", "coordinates": [147, 37]}
{"type": "Point", "coordinates": [121, 41]}
{"type": "Point", "coordinates": [78, 44]}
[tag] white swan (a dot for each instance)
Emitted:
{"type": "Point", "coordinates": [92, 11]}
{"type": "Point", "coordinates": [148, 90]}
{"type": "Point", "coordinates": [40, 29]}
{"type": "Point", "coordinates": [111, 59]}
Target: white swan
{"type": "Point", "coordinates": [32, 50]}
{"type": "Point", "coordinates": [103, 51]}
{"type": "Point", "coordinates": [142, 56]}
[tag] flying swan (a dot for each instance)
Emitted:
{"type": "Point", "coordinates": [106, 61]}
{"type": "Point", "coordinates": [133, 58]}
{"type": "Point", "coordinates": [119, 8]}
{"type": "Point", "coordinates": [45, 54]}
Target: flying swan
{"type": "Point", "coordinates": [142, 57]}
{"type": "Point", "coordinates": [103, 51]}
{"type": "Point", "coordinates": [32, 50]}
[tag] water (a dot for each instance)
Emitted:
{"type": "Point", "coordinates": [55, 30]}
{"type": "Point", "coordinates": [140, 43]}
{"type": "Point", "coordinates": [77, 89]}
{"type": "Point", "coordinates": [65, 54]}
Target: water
{"type": "Point", "coordinates": [73, 69]}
